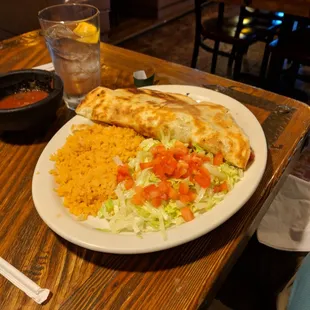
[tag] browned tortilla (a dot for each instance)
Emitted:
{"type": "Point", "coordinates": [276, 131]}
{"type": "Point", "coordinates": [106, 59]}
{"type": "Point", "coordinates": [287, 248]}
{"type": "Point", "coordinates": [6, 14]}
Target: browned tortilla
{"type": "Point", "coordinates": [153, 113]}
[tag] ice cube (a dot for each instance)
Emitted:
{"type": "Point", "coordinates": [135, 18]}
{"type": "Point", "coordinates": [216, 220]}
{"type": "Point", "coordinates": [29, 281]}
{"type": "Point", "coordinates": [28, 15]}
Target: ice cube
{"type": "Point", "coordinates": [60, 31]}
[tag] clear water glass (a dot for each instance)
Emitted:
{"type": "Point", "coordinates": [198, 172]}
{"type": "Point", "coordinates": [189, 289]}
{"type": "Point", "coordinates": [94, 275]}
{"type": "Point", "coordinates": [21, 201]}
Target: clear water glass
{"type": "Point", "coordinates": [72, 35]}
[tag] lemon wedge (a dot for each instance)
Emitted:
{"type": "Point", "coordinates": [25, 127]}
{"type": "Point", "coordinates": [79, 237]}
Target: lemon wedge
{"type": "Point", "coordinates": [87, 32]}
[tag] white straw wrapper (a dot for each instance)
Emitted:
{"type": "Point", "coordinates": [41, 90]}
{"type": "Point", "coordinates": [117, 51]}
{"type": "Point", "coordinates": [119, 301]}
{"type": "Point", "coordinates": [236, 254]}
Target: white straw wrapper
{"type": "Point", "coordinates": [34, 291]}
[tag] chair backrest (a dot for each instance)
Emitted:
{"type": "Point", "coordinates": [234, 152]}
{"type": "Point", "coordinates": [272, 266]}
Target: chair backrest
{"type": "Point", "coordinates": [200, 4]}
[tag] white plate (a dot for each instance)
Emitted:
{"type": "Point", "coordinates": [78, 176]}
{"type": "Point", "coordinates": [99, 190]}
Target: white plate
{"type": "Point", "coordinates": [57, 217]}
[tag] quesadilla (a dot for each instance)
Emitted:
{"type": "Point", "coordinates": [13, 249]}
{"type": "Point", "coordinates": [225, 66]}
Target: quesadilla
{"type": "Point", "coordinates": [154, 114]}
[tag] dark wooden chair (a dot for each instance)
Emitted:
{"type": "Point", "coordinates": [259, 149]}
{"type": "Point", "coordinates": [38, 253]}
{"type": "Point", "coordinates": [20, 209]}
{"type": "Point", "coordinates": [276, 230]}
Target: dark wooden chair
{"type": "Point", "coordinates": [294, 47]}
{"type": "Point", "coordinates": [240, 31]}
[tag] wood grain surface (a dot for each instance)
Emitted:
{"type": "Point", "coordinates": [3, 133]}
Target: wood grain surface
{"type": "Point", "coordinates": [296, 7]}
{"type": "Point", "coordinates": [184, 277]}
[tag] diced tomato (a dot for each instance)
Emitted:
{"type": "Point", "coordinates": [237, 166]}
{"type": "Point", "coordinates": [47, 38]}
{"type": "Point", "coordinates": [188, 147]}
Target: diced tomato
{"type": "Point", "coordinates": [181, 145]}
{"type": "Point", "coordinates": [158, 149]}
{"type": "Point", "coordinates": [218, 159]}
{"type": "Point", "coordinates": [164, 187]}
{"type": "Point", "coordinates": [123, 173]}
{"type": "Point", "coordinates": [168, 154]}
{"type": "Point", "coordinates": [189, 197]}
{"type": "Point", "coordinates": [159, 171]}
{"type": "Point", "coordinates": [139, 190]}
{"type": "Point", "coordinates": [152, 191]}
{"type": "Point", "coordinates": [184, 198]}
{"type": "Point", "coordinates": [192, 195]}
{"type": "Point", "coordinates": [157, 161]}
{"type": "Point", "coordinates": [183, 188]}
{"type": "Point", "coordinates": [121, 177]}
{"type": "Point", "coordinates": [203, 180]}
{"type": "Point", "coordinates": [179, 153]}
{"type": "Point", "coordinates": [224, 187]}
{"type": "Point", "coordinates": [194, 164]}
{"type": "Point", "coordinates": [216, 188]}
{"type": "Point", "coordinates": [187, 214]}
{"type": "Point", "coordinates": [172, 164]}
{"type": "Point", "coordinates": [169, 165]}
{"type": "Point", "coordinates": [156, 202]}
{"type": "Point", "coordinates": [187, 158]}
{"type": "Point", "coordinates": [220, 188]}
{"type": "Point", "coordinates": [173, 194]}
{"type": "Point", "coordinates": [196, 159]}
{"type": "Point", "coordinates": [146, 165]}
{"type": "Point", "coordinates": [192, 171]}
{"type": "Point", "coordinates": [181, 169]}
{"type": "Point", "coordinates": [164, 196]}
{"type": "Point", "coordinates": [185, 175]}
{"type": "Point", "coordinates": [129, 183]}
{"type": "Point", "coordinates": [154, 194]}
{"type": "Point", "coordinates": [204, 171]}
{"type": "Point", "coordinates": [138, 200]}
{"type": "Point", "coordinates": [179, 150]}
{"type": "Point", "coordinates": [139, 197]}
{"type": "Point", "coordinates": [149, 188]}
{"type": "Point", "coordinates": [124, 170]}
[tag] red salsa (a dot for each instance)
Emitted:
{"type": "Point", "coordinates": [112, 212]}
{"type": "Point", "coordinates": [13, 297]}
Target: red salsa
{"type": "Point", "coordinates": [22, 99]}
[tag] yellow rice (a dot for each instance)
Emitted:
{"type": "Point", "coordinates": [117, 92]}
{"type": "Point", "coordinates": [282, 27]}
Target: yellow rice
{"type": "Point", "coordinates": [84, 168]}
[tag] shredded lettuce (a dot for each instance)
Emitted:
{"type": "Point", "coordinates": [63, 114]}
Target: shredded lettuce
{"type": "Point", "coordinates": [165, 139]}
{"type": "Point", "coordinates": [198, 149]}
{"type": "Point", "coordinates": [142, 157]}
{"type": "Point", "coordinates": [208, 203]}
{"type": "Point", "coordinates": [147, 144]}
{"type": "Point", "coordinates": [109, 205]}
{"type": "Point", "coordinates": [200, 193]}
{"type": "Point", "coordinates": [233, 174]}
{"type": "Point", "coordinates": [214, 170]}
{"type": "Point", "coordinates": [172, 210]}
{"type": "Point", "coordinates": [123, 216]}
{"type": "Point", "coordinates": [146, 177]}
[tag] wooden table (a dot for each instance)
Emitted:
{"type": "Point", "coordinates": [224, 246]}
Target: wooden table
{"type": "Point", "coordinates": [296, 7]}
{"type": "Point", "coordinates": [184, 277]}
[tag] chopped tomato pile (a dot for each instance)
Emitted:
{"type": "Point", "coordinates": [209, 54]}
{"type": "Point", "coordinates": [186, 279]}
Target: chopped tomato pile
{"type": "Point", "coordinates": [178, 163]}
{"type": "Point", "coordinates": [156, 194]}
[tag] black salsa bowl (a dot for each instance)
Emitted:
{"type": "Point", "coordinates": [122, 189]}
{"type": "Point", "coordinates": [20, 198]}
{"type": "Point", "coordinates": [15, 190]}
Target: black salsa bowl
{"type": "Point", "coordinates": [34, 114]}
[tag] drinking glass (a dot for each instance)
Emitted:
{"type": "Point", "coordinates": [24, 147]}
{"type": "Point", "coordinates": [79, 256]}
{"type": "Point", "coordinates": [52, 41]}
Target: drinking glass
{"type": "Point", "coordinates": [72, 35]}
